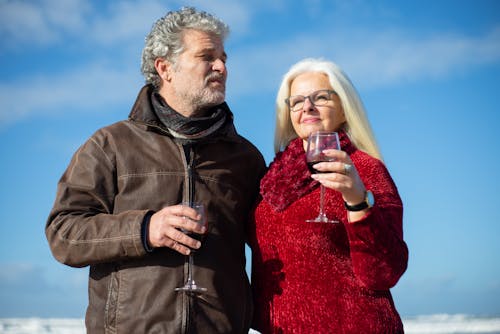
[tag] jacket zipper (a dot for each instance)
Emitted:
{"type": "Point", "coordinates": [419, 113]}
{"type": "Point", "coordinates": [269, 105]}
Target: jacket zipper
{"type": "Point", "coordinates": [190, 183]}
{"type": "Point", "coordinates": [188, 197]}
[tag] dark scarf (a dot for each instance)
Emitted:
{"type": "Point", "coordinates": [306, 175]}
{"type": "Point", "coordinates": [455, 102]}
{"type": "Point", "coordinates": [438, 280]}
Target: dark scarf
{"type": "Point", "coordinates": [188, 130]}
{"type": "Point", "coordinates": [288, 178]}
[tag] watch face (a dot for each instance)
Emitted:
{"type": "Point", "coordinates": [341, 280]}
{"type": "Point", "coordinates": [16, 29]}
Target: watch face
{"type": "Point", "coordinates": [370, 199]}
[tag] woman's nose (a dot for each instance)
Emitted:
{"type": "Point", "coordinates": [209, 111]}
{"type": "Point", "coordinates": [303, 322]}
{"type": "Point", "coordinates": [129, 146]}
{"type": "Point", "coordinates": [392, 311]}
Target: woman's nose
{"type": "Point", "coordinates": [308, 105]}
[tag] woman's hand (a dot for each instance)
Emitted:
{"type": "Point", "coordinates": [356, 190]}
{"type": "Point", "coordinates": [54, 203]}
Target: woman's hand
{"type": "Point", "coordinates": [341, 175]}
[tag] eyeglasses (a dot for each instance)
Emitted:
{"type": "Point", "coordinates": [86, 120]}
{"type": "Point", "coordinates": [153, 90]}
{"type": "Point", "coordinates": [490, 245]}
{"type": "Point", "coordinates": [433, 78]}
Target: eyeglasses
{"type": "Point", "coordinates": [317, 98]}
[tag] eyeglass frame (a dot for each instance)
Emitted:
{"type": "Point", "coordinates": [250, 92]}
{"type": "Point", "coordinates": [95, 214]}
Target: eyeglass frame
{"type": "Point", "coordinates": [330, 92]}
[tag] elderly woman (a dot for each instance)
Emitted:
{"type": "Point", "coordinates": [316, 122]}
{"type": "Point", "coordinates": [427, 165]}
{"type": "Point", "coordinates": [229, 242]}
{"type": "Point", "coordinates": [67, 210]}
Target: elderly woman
{"type": "Point", "coordinates": [311, 277]}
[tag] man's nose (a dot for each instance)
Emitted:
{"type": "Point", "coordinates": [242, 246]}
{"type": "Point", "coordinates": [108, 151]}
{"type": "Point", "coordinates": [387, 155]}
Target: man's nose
{"type": "Point", "coordinates": [219, 66]}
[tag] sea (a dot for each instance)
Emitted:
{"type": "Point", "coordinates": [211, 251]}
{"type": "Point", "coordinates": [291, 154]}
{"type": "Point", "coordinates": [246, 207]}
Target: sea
{"type": "Point", "coordinates": [423, 324]}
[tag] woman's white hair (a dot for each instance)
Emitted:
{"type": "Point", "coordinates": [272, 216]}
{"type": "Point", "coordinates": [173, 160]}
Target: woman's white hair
{"type": "Point", "coordinates": [356, 126]}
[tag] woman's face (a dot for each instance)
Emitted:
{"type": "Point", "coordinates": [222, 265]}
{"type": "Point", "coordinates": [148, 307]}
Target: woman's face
{"type": "Point", "coordinates": [329, 116]}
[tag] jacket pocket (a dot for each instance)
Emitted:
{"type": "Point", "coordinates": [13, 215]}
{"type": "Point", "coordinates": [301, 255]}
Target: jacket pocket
{"type": "Point", "coordinates": [111, 309]}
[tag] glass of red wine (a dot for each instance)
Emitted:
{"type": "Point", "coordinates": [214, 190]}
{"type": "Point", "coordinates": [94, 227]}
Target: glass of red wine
{"type": "Point", "coordinates": [317, 142]}
{"type": "Point", "coordinates": [191, 285]}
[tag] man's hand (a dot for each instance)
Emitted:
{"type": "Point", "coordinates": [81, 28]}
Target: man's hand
{"type": "Point", "coordinates": [165, 228]}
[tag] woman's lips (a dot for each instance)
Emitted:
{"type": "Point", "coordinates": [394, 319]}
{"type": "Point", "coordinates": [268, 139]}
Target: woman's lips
{"type": "Point", "coordinates": [310, 120]}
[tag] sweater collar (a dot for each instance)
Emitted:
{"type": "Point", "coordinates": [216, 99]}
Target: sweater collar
{"type": "Point", "coordinates": [288, 177]}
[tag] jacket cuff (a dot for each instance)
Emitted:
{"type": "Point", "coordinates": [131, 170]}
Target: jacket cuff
{"type": "Point", "coordinates": [145, 231]}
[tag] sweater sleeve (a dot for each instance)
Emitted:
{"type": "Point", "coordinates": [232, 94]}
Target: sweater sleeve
{"type": "Point", "coordinates": [378, 252]}
{"type": "Point", "coordinates": [82, 228]}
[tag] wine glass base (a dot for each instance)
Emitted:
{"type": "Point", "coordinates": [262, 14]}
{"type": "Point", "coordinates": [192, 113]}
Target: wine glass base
{"type": "Point", "coordinates": [322, 219]}
{"type": "Point", "coordinates": [193, 288]}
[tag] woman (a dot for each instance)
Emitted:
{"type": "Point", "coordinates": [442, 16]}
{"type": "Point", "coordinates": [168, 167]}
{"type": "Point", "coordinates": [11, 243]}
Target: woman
{"type": "Point", "coordinates": [325, 277]}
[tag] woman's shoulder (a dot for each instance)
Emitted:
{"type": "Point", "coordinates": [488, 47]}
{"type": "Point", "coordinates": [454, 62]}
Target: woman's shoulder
{"type": "Point", "coordinates": [362, 159]}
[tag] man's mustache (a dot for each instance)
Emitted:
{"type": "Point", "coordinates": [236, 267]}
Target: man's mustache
{"type": "Point", "coordinates": [215, 77]}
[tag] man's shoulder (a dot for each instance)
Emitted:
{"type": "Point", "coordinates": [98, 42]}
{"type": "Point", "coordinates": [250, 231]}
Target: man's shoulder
{"type": "Point", "coordinates": [119, 131]}
{"type": "Point", "coordinates": [248, 144]}
{"type": "Point", "coordinates": [115, 129]}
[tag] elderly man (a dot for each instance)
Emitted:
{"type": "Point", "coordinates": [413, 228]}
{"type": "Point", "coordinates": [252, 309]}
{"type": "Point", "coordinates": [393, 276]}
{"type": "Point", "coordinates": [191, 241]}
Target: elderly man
{"type": "Point", "coordinates": [118, 210]}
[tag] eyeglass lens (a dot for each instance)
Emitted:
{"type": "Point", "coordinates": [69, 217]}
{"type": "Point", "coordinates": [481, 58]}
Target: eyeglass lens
{"type": "Point", "coordinates": [317, 98]}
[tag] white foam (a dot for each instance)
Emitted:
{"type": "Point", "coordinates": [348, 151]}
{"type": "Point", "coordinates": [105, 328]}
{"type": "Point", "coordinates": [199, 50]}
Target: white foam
{"type": "Point", "coordinates": [425, 324]}
{"type": "Point", "coordinates": [42, 326]}
{"type": "Point", "coordinates": [451, 324]}
{"type": "Point", "coordinates": [47, 326]}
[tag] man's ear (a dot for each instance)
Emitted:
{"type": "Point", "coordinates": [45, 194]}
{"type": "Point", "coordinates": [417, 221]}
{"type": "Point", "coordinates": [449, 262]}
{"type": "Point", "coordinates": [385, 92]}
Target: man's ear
{"type": "Point", "coordinates": [163, 68]}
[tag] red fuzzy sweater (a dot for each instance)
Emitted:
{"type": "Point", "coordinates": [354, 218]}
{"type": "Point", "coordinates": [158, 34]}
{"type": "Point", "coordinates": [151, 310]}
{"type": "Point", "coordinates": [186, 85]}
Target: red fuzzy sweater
{"type": "Point", "coordinates": [321, 277]}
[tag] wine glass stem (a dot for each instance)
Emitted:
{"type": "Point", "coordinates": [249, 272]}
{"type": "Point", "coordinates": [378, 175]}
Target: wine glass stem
{"type": "Point", "coordinates": [190, 269]}
{"type": "Point", "coordinates": [321, 200]}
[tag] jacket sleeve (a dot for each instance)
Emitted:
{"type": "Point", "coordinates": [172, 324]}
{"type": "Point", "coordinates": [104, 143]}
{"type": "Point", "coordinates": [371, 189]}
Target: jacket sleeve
{"type": "Point", "coordinates": [82, 228]}
{"type": "Point", "coordinates": [378, 252]}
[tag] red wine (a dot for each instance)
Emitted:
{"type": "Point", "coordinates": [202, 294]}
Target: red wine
{"type": "Point", "coordinates": [310, 166]}
{"type": "Point", "coordinates": [197, 236]}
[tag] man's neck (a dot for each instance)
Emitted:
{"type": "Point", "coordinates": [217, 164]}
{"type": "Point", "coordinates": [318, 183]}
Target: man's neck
{"type": "Point", "coordinates": [177, 104]}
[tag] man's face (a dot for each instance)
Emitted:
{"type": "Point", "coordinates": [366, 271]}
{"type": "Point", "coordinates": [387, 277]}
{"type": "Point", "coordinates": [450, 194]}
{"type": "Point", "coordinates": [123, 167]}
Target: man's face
{"type": "Point", "coordinates": [198, 76]}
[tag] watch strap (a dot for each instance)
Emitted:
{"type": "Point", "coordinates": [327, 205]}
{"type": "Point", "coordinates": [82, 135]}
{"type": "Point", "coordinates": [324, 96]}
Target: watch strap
{"type": "Point", "coordinates": [358, 207]}
{"type": "Point", "coordinates": [367, 203]}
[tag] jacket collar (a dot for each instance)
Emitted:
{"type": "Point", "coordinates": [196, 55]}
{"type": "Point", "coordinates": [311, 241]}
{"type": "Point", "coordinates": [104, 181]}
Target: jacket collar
{"type": "Point", "coordinates": [143, 112]}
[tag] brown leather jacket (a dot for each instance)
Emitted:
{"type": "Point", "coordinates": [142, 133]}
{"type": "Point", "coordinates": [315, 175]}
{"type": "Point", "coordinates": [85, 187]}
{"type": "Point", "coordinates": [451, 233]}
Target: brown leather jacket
{"type": "Point", "coordinates": [119, 174]}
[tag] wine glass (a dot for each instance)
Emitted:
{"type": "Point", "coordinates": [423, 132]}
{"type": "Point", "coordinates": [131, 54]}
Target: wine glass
{"type": "Point", "coordinates": [317, 142]}
{"type": "Point", "coordinates": [191, 285]}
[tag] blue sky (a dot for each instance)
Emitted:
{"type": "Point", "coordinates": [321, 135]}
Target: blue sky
{"type": "Point", "coordinates": [427, 71]}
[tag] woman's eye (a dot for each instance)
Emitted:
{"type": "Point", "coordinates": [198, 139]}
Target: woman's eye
{"type": "Point", "coordinates": [295, 102]}
{"type": "Point", "coordinates": [321, 97]}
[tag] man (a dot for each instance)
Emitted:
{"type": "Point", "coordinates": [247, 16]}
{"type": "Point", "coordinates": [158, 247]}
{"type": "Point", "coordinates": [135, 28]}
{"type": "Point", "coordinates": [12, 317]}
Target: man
{"type": "Point", "coordinates": [117, 205]}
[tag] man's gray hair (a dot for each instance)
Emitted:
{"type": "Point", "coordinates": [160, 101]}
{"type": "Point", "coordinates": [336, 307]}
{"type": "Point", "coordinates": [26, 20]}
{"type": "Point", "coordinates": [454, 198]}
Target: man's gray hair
{"type": "Point", "coordinates": [165, 39]}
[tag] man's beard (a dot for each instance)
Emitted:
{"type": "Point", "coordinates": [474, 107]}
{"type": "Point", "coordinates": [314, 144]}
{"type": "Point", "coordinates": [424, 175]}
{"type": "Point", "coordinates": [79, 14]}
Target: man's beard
{"type": "Point", "coordinates": [209, 96]}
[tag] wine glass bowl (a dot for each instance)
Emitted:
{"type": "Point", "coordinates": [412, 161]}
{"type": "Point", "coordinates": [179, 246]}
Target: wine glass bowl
{"type": "Point", "coordinates": [200, 209]}
{"type": "Point", "coordinates": [317, 142]}
{"type": "Point", "coordinates": [190, 285]}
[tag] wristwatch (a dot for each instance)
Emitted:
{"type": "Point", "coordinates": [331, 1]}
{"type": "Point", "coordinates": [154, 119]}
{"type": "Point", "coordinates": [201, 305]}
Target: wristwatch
{"type": "Point", "coordinates": [368, 202]}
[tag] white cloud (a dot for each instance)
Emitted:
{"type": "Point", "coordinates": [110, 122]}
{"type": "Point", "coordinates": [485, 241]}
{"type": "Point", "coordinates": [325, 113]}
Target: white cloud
{"type": "Point", "coordinates": [66, 15]}
{"type": "Point", "coordinates": [126, 20]}
{"type": "Point", "coordinates": [392, 57]}
{"type": "Point", "coordinates": [14, 272]}
{"type": "Point", "coordinates": [241, 16]}
{"type": "Point", "coordinates": [42, 23]}
{"type": "Point", "coordinates": [106, 23]}
{"type": "Point", "coordinates": [28, 289]}
{"type": "Point", "coordinates": [22, 21]}
{"type": "Point", "coordinates": [94, 88]}
{"type": "Point", "coordinates": [49, 21]}
{"type": "Point", "coordinates": [372, 58]}
{"type": "Point", "coordinates": [236, 14]}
